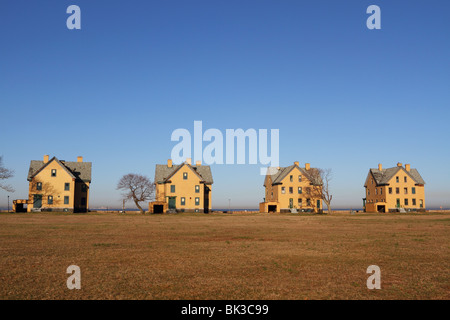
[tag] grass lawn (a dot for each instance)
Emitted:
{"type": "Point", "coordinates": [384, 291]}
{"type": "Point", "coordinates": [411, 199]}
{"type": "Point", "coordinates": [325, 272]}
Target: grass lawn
{"type": "Point", "coordinates": [220, 256]}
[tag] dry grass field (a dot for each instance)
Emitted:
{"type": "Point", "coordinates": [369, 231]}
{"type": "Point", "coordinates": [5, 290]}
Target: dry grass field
{"type": "Point", "coordinates": [220, 256]}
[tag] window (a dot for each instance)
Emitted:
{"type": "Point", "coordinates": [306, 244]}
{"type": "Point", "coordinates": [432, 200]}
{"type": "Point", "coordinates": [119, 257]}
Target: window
{"type": "Point", "coordinates": [397, 190]}
{"type": "Point", "coordinates": [368, 192]}
{"type": "Point", "coordinates": [172, 188]}
{"type": "Point", "coordinates": [371, 181]}
{"type": "Point", "coordinates": [291, 202]}
{"type": "Point", "coordinates": [184, 175]}
{"type": "Point", "coordinates": [66, 199]}
{"type": "Point", "coordinates": [406, 190]}
{"type": "Point", "coordinates": [50, 200]}
{"type": "Point", "coordinates": [299, 178]}
{"type": "Point", "coordinates": [398, 203]}
{"type": "Point", "coordinates": [183, 201]}
{"type": "Point", "coordinates": [397, 179]}
{"type": "Point", "coordinates": [300, 190]}
{"type": "Point", "coordinates": [291, 178]}
{"type": "Point", "coordinates": [283, 190]}
{"type": "Point", "coordinates": [414, 202]}
{"type": "Point", "coordinates": [376, 191]}
{"type": "Point", "coordinates": [413, 190]}
{"type": "Point", "coordinates": [421, 203]}
{"type": "Point", "coordinates": [390, 190]}
{"type": "Point", "coordinates": [291, 190]}
{"type": "Point", "coordinates": [83, 201]}
{"type": "Point", "coordinates": [381, 190]}
{"type": "Point", "coordinates": [197, 201]}
{"type": "Point", "coordinates": [66, 186]}
{"type": "Point", "coordinates": [308, 202]}
{"type": "Point", "coordinates": [39, 186]}
{"type": "Point", "coordinates": [406, 202]}
{"type": "Point", "coordinates": [300, 200]}
{"type": "Point", "coordinates": [53, 172]}
{"type": "Point", "coordinates": [83, 188]}
{"type": "Point", "coordinates": [406, 179]}
{"type": "Point", "coordinates": [197, 189]}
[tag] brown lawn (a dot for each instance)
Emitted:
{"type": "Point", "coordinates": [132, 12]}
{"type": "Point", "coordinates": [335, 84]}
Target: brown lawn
{"type": "Point", "coordinates": [253, 256]}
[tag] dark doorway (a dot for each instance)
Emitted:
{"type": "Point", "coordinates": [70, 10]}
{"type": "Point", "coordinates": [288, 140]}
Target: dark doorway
{"type": "Point", "coordinates": [158, 208]}
{"type": "Point", "coordinates": [272, 208]}
{"type": "Point", "coordinates": [20, 207]}
{"type": "Point", "coordinates": [381, 209]}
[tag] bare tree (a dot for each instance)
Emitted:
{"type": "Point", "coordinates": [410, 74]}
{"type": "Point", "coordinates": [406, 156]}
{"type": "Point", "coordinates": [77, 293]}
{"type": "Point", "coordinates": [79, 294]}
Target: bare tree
{"type": "Point", "coordinates": [137, 188]}
{"type": "Point", "coordinates": [320, 188]}
{"type": "Point", "coordinates": [5, 174]}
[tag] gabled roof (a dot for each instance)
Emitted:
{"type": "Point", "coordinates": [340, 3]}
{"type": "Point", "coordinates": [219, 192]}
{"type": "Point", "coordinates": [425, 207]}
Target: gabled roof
{"type": "Point", "coordinates": [382, 177]}
{"type": "Point", "coordinates": [163, 173]}
{"type": "Point", "coordinates": [77, 170]}
{"type": "Point", "coordinates": [282, 172]}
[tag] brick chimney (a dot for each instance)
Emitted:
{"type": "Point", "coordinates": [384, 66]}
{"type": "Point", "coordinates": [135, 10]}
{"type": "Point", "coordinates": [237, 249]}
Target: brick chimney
{"type": "Point", "coordinates": [307, 166]}
{"type": "Point", "coordinates": [408, 167]}
{"type": "Point", "coordinates": [297, 163]}
{"type": "Point", "coordinates": [169, 163]}
{"type": "Point", "coordinates": [46, 158]}
{"type": "Point", "coordinates": [188, 160]}
{"type": "Point", "coordinates": [380, 167]}
{"type": "Point", "coordinates": [399, 164]}
{"type": "Point", "coordinates": [198, 163]}
{"type": "Point", "coordinates": [79, 159]}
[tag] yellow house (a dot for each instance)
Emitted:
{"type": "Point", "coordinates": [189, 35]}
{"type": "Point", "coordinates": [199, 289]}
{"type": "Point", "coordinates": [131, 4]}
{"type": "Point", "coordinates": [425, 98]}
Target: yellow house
{"type": "Point", "coordinates": [57, 185]}
{"type": "Point", "coordinates": [288, 189]}
{"type": "Point", "coordinates": [394, 189]}
{"type": "Point", "coordinates": [182, 188]}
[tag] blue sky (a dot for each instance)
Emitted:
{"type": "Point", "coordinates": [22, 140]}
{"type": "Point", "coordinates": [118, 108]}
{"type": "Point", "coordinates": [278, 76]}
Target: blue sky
{"type": "Point", "coordinates": [343, 96]}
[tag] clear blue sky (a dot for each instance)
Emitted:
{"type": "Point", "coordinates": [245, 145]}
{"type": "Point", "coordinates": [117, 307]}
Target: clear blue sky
{"type": "Point", "coordinates": [343, 96]}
